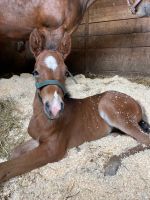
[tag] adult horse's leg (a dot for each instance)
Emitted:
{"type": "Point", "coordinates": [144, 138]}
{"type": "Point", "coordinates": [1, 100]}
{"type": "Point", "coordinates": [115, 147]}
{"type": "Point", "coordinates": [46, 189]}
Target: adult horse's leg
{"type": "Point", "coordinates": [90, 2]}
{"type": "Point", "coordinates": [134, 5]}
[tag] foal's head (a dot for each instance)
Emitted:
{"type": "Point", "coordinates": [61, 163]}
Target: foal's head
{"type": "Point", "coordinates": [50, 73]}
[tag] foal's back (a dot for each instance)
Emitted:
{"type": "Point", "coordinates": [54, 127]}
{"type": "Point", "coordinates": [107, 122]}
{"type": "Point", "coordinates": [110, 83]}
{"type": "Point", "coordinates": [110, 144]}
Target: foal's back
{"type": "Point", "coordinates": [84, 121]}
{"type": "Point", "coordinates": [95, 116]}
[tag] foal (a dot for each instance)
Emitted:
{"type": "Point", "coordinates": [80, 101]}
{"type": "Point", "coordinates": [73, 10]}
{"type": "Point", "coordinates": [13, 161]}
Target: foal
{"type": "Point", "coordinates": [59, 122]}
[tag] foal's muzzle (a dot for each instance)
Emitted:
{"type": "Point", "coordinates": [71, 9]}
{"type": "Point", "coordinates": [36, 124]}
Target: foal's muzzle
{"type": "Point", "coordinates": [53, 109]}
{"type": "Point", "coordinates": [54, 106]}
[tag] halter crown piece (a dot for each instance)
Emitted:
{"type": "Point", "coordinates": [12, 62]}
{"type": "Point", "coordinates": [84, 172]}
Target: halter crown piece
{"type": "Point", "coordinates": [40, 85]}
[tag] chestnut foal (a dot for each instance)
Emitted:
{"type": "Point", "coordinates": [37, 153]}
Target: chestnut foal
{"type": "Point", "coordinates": [59, 122]}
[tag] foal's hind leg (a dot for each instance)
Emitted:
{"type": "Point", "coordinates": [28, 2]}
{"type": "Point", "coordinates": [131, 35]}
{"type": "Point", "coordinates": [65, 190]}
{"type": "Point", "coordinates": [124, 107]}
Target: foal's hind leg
{"type": "Point", "coordinates": [133, 129]}
{"type": "Point", "coordinates": [23, 148]}
{"type": "Point", "coordinates": [123, 113]}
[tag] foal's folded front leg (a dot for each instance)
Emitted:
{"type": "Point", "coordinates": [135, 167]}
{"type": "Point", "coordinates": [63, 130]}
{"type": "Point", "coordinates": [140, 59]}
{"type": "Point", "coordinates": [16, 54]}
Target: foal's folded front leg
{"type": "Point", "coordinates": [24, 148]}
{"type": "Point", "coordinates": [27, 162]}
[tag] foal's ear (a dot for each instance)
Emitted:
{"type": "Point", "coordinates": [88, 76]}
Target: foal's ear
{"type": "Point", "coordinates": [65, 45]}
{"type": "Point", "coordinates": [36, 42]}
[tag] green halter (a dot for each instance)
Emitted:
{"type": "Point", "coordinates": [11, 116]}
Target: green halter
{"type": "Point", "coordinates": [40, 85]}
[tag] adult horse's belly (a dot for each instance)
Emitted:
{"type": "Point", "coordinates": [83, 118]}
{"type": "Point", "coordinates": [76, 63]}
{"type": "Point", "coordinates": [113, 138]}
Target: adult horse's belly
{"type": "Point", "coordinates": [13, 31]}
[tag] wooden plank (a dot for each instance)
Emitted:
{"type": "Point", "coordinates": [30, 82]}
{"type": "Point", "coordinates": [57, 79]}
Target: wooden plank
{"type": "Point", "coordinates": [118, 41]}
{"type": "Point", "coordinates": [76, 61]}
{"type": "Point", "coordinates": [105, 3]}
{"type": "Point", "coordinates": [84, 18]}
{"type": "Point", "coordinates": [14, 61]}
{"type": "Point", "coordinates": [111, 13]}
{"type": "Point", "coordinates": [112, 41]}
{"type": "Point", "coordinates": [119, 59]}
{"type": "Point", "coordinates": [108, 3]}
{"type": "Point", "coordinates": [78, 42]}
{"type": "Point", "coordinates": [118, 27]}
{"type": "Point", "coordinates": [80, 31]}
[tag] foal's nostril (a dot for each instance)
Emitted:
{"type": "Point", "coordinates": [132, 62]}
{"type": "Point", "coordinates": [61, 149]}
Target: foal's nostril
{"type": "Point", "coordinates": [47, 105]}
{"type": "Point", "coordinates": [62, 106]}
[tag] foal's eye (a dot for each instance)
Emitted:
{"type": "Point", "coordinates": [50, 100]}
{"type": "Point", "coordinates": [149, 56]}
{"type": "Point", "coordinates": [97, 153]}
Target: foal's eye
{"type": "Point", "coordinates": [35, 73]}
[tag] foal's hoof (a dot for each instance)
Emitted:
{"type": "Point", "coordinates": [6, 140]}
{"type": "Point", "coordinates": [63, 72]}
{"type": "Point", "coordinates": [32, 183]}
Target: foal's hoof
{"type": "Point", "coordinates": [112, 166]}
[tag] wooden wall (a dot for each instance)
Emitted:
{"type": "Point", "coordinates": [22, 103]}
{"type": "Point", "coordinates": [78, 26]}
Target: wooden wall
{"type": "Point", "coordinates": [12, 61]}
{"type": "Point", "coordinates": [111, 40]}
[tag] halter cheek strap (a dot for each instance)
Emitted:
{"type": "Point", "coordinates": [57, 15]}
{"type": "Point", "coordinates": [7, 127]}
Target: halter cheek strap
{"type": "Point", "coordinates": [40, 85]}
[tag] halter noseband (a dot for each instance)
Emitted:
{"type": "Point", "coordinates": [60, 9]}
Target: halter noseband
{"type": "Point", "coordinates": [40, 85]}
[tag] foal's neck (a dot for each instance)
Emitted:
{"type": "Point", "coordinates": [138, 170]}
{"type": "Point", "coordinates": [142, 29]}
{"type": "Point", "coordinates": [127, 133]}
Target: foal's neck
{"type": "Point", "coordinates": [73, 108]}
{"type": "Point", "coordinates": [77, 113]}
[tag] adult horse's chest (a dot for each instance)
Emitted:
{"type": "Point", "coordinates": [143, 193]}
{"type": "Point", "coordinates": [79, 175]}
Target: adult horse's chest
{"type": "Point", "coordinates": [19, 18]}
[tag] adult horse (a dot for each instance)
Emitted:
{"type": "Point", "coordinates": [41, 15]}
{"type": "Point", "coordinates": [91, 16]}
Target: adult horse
{"type": "Point", "coordinates": [55, 20]}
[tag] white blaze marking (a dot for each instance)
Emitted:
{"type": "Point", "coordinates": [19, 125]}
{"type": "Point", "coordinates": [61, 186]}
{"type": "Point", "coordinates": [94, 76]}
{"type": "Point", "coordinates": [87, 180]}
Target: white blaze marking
{"type": "Point", "coordinates": [56, 104]}
{"type": "Point", "coordinates": [56, 94]}
{"type": "Point", "coordinates": [51, 62]}
{"type": "Point", "coordinates": [57, 98]}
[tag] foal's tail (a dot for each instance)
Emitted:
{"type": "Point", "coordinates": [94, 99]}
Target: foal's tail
{"type": "Point", "coordinates": [144, 126]}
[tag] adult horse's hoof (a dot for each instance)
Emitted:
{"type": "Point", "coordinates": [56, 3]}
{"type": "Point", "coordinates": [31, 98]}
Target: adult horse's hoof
{"type": "Point", "coordinates": [112, 166]}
